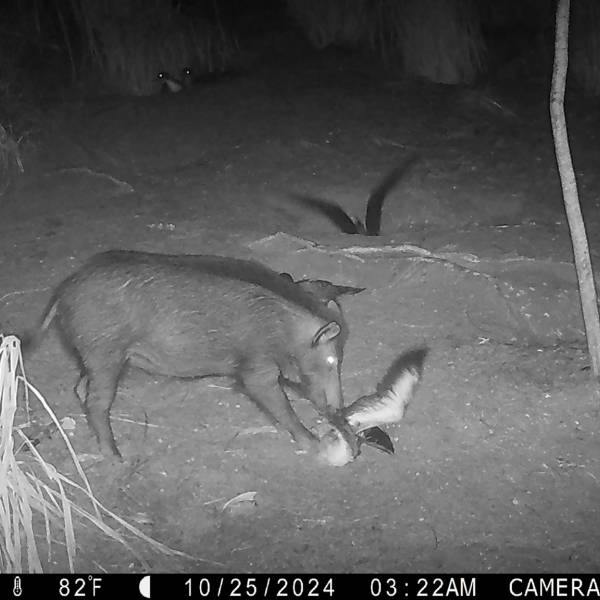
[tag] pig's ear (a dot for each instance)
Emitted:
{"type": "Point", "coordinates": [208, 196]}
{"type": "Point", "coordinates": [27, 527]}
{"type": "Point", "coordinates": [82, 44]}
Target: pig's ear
{"type": "Point", "coordinates": [340, 290]}
{"type": "Point", "coordinates": [325, 290]}
{"type": "Point", "coordinates": [327, 333]}
{"type": "Point", "coordinates": [335, 307]}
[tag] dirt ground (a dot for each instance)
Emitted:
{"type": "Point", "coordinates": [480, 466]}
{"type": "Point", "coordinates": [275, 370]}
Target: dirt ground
{"type": "Point", "coordinates": [497, 462]}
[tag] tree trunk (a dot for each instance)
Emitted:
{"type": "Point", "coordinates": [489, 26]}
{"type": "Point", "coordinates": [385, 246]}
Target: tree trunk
{"type": "Point", "coordinates": [583, 262]}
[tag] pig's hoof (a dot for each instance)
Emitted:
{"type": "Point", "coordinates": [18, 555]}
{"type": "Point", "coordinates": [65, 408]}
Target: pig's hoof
{"type": "Point", "coordinates": [110, 452]}
{"type": "Point", "coordinates": [306, 444]}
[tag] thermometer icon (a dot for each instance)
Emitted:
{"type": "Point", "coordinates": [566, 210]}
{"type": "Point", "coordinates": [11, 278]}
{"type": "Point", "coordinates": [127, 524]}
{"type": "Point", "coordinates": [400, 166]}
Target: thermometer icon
{"type": "Point", "coordinates": [17, 590]}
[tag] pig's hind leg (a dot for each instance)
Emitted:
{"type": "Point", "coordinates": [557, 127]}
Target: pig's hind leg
{"type": "Point", "coordinates": [98, 385]}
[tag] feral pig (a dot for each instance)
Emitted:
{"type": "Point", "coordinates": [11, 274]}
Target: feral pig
{"type": "Point", "coordinates": [197, 316]}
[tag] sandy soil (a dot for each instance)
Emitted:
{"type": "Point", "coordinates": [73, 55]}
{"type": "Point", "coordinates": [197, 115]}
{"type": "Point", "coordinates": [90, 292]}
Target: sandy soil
{"type": "Point", "coordinates": [497, 460]}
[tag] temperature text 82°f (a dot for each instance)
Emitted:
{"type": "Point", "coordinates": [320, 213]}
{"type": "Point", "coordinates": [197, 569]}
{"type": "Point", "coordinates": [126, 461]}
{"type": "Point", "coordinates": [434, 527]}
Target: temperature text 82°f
{"type": "Point", "coordinates": [79, 587]}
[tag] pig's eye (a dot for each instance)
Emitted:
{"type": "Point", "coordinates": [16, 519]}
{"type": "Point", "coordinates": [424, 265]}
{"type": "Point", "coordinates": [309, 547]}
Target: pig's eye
{"type": "Point", "coordinates": [331, 360]}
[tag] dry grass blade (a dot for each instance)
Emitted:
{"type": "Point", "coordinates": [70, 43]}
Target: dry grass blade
{"type": "Point", "coordinates": [10, 159]}
{"type": "Point", "coordinates": [38, 489]}
{"type": "Point", "coordinates": [440, 40]}
{"type": "Point", "coordinates": [15, 492]}
{"type": "Point", "coordinates": [331, 22]}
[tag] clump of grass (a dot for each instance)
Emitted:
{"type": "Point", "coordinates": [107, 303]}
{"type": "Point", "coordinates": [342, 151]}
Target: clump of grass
{"type": "Point", "coordinates": [129, 43]}
{"type": "Point", "coordinates": [20, 116]}
{"type": "Point", "coordinates": [34, 493]}
{"type": "Point", "coordinates": [11, 164]}
{"type": "Point", "coordinates": [331, 22]}
{"type": "Point", "coordinates": [438, 40]}
{"type": "Point", "coordinates": [585, 39]}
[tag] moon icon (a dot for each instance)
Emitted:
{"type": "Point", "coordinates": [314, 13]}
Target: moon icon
{"type": "Point", "coordinates": [145, 586]}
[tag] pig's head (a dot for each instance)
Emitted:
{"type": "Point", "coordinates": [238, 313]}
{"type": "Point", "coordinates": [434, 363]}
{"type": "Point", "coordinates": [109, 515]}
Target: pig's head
{"type": "Point", "coordinates": [320, 363]}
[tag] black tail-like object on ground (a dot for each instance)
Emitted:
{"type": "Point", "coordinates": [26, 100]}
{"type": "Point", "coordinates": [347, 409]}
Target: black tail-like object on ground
{"type": "Point", "coordinates": [353, 225]}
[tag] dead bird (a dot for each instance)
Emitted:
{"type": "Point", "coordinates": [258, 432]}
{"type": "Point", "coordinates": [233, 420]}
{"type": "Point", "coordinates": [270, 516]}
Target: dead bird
{"type": "Point", "coordinates": [387, 405]}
